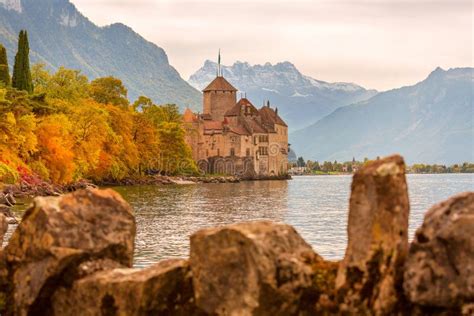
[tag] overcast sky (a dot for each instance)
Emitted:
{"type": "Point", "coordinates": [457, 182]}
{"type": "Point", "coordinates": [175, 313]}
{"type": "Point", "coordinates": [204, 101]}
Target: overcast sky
{"type": "Point", "coordinates": [379, 44]}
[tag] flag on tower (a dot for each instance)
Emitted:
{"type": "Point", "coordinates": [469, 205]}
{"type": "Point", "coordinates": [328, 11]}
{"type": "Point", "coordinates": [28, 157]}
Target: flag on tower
{"type": "Point", "coordinates": [219, 64]}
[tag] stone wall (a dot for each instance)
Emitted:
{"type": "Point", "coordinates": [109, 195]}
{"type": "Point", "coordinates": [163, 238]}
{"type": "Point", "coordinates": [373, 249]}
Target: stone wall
{"type": "Point", "coordinates": [72, 255]}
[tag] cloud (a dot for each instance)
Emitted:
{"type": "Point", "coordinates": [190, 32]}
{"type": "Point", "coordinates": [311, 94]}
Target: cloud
{"type": "Point", "coordinates": [378, 43]}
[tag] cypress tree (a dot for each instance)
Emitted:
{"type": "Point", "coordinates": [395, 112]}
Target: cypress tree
{"type": "Point", "coordinates": [21, 71]}
{"type": "Point", "coordinates": [4, 72]}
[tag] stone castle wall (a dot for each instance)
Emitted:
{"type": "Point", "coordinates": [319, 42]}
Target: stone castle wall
{"type": "Point", "coordinates": [217, 103]}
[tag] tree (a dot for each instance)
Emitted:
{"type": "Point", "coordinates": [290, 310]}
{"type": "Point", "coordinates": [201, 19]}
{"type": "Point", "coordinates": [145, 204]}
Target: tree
{"type": "Point", "coordinates": [65, 84]}
{"type": "Point", "coordinates": [175, 154]}
{"type": "Point", "coordinates": [142, 103]}
{"type": "Point", "coordinates": [4, 71]}
{"type": "Point", "coordinates": [301, 162]}
{"type": "Point", "coordinates": [21, 71]}
{"type": "Point", "coordinates": [109, 90]}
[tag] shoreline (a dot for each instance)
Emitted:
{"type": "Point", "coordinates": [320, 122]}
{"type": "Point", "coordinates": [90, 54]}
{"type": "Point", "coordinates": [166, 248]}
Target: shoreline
{"type": "Point", "coordinates": [25, 190]}
{"type": "Point", "coordinates": [351, 174]}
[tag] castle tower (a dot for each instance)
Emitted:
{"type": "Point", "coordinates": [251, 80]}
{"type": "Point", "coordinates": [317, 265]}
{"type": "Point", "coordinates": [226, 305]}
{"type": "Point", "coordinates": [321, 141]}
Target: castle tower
{"type": "Point", "coordinates": [219, 97]}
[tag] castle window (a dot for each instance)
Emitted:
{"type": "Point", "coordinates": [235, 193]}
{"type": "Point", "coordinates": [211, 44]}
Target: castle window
{"type": "Point", "coordinates": [247, 152]}
{"type": "Point", "coordinates": [263, 138]}
{"type": "Point", "coordinates": [232, 152]}
{"type": "Point", "coordinates": [263, 151]}
{"type": "Point", "coordinates": [218, 152]}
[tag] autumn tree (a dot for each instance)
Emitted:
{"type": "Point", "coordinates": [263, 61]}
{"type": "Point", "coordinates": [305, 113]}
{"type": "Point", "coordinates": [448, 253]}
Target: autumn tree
{"type": "Point", "coordinates": [55, 148]}
{"type": "Point", "coordinates": [21, 79]}
{"type": "Point", "coordinates": [175, 154]}
{"type": "Point", "coordinates": [109, 90]}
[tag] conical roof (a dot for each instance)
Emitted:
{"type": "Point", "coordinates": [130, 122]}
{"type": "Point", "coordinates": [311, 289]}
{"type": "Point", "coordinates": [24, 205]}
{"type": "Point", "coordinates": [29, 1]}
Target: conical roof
{"type": "Point", "coordinates": [219, 84]}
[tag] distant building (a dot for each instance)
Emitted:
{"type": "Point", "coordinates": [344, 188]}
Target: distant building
{"type": "Point", "coordinates": [236, 138]}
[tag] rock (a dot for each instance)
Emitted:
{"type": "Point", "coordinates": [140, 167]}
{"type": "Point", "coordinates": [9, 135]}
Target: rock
{"type": "Point", "coordinates": [371, 272]}
{"type": "Point", "coordinates": [3, 228]}
{"type": "Point", "coordinates": [7, 212]}
{"type": "Point", "coordinates": [56, 235]}
{"type": "Point", "coordinates": [162, 289]}
{"type": "Point", "coordinates": [258, 268]}
{"type": "Point", "coordinates": [440, 266]}
{"type": "Point", "coordinates": [7, 199]}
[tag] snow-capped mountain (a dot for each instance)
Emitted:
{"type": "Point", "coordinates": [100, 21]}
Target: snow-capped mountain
{"type": "Point", "coordinates": [60, 35]}
{"type": "Point", "coordinates": [300, 99]}
{"type": "Point", "coordinates": [430, 122]}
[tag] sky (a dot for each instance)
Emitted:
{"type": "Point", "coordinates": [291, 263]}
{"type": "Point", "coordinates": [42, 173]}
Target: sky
{"type": "Point", "coordinates": [379, 44]}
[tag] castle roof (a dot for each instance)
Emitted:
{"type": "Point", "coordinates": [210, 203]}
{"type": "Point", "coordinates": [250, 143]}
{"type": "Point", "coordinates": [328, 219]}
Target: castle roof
{"type": "Point", "coordinates": [270, 116]}
{"type": "Point", "coordinates": [189, 116]}
{"type": "Point", "coordinates": [219, 84]}
{"type": "Point", "coordinates": [213, 125]}
{"type": "Point", "coordinates": [243, 103]}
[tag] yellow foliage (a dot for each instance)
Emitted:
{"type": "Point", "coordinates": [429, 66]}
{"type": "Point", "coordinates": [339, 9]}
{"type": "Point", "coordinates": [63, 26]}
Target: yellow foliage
{"type": "Point", "coordinates": [71, 129]}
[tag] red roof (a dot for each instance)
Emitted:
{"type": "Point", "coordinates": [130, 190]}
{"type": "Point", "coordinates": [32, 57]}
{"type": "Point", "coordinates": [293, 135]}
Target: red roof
{"type": "Point", "coordinates": [212, 125]}
{"type": "Point", "coordinates": [269, 116]}
{"type": "Point", "coordinates": [219, 84]}
{"type": "Point", "coordinates": [244, 104]}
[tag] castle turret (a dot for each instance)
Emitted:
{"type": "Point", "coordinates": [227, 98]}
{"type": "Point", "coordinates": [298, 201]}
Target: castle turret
{"type": "Point", "coordinates": [219, 97]}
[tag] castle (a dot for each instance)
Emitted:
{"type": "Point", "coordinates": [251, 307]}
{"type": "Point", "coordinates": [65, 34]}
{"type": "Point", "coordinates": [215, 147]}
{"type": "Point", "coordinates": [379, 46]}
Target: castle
{"type": "Point", "coordinates": [236, 138]}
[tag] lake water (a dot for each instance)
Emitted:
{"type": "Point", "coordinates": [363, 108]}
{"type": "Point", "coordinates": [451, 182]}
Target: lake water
{"type": "Point", "coordinates": [315, 205]}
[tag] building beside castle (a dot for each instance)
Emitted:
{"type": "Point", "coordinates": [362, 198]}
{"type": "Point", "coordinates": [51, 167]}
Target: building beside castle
{"type": "Point", "coordinates": [236, 138]}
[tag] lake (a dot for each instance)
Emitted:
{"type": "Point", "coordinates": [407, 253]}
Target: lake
{"type": "Point", "coordinates": [316, 206]}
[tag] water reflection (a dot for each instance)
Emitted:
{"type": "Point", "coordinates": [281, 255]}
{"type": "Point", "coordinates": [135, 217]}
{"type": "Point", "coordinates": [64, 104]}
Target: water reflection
{"type": "Point", "coordinates": [167, 215]}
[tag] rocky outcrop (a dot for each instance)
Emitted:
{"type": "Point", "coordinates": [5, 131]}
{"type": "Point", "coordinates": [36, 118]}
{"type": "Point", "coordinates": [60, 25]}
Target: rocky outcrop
{"type": "Point", "coordinates": [440, 267]}
{"type": "Point", "coordinates": [56, 236]}
{"type": "Point", "coordinates": [255, 268]}
{"type": "Point", "coordinates": [71, 255]}
{"type": "Point", "coordinates": [163, 289]}
{"type": "Point", "coordinates": [371, 272]}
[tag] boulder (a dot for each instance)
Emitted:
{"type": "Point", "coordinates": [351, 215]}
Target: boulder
{"type": "Point", "coordinates": [162, 289]}
{"type": "Point", "coordinates": [3, 228]}
{"type": "Point", "coordinates": [372, 269]}
{"type": "Point", "coordinates": [56, 235]}
{"type": "Point", "coordinates": [440, 266]}
{"type": "Point", "coordinates": [257, 268]}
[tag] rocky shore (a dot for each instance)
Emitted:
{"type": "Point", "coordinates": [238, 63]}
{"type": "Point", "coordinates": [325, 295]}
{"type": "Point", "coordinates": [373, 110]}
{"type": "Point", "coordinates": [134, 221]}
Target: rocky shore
{"type": "Point", "coordinates": [73, 255]}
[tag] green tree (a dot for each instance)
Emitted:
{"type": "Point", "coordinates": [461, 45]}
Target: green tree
{"type": "Point", "coordinates": [21, 71]}
{"type": "Point", "coordinates": [4, 72]}
{"type": "Point", "coordinates": [301, 162]}
{"type": "Point", "coordinates": [109, 90]}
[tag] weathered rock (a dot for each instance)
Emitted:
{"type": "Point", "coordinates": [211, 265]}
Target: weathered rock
{"type": "Point", "coordinates": [3, 228]}
{"type": "Point", "coordinates": [371, 272]}
{"type": "Point", "coordinates": [7, 199]}
{"type": "Point", "coordinates": [7, 212]}
{"type": "Point", "coordinates": [440, 266]}
{"type": "Point", "coordinates": [258, 268]}
{"type": "Point", "coordinates": [162, 289]}
{"type": "Point", "coordinates": [56, 235]}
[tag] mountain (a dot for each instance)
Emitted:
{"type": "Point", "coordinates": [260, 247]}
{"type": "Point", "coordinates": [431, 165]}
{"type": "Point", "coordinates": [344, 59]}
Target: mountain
{"type": "Point", "coordinates": [301, 100]}
{"type": "Point", "coordinates": [430, 122]}
{"type": "Point", "coordinates": [61, 36]}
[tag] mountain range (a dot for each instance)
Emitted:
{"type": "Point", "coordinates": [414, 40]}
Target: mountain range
{"type": "Point", "coordinates": [60, 35]}
{"type": "Point", "coordinates": [429, 122]}
{"type": "Point", "coordinates": [301, 100]}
